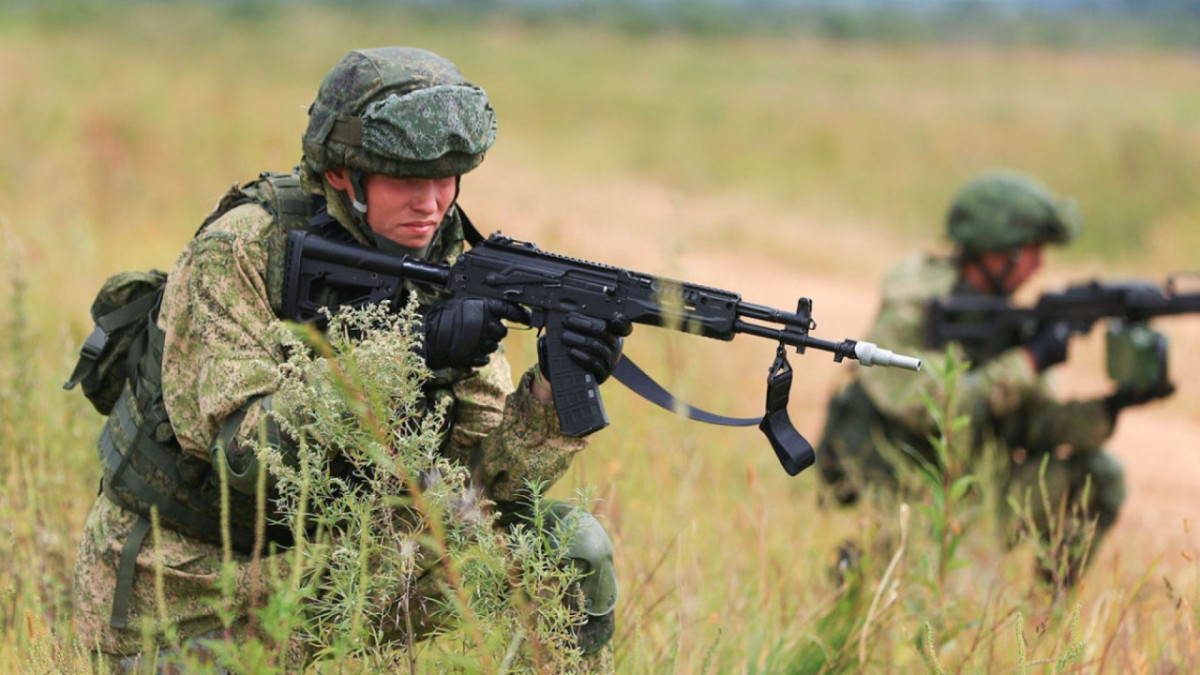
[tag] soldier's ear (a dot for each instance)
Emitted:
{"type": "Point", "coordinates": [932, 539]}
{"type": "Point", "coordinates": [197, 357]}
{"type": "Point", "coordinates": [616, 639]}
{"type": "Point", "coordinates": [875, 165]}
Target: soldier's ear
{"type": "Point", "coordinates": [339, 178]}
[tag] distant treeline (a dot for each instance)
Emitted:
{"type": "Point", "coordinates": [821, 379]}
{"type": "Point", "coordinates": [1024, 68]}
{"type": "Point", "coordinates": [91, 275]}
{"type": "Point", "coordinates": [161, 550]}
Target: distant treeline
{"type": "Point", "coordinates": [1050, 23]}
{"type": "Point", "coordinates": [1075, 24]}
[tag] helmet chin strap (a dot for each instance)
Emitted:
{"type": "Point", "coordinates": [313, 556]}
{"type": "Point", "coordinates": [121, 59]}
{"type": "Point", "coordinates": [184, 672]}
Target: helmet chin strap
{"type": "Point", "coordinates": [358, 192]}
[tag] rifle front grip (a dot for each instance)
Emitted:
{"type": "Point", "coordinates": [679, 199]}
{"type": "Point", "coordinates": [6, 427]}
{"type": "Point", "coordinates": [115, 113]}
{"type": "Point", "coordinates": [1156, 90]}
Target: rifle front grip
{"type": "Point", "coordinates": [576, 392]}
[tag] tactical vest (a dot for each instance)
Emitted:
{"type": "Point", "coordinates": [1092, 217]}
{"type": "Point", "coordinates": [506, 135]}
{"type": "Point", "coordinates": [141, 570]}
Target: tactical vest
{"type": "Point", "coordinates": [144, 466]}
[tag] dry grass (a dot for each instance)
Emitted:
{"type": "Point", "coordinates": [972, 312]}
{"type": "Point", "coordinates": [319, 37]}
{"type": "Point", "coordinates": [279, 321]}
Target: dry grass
{"type": "Point", "coordinates": [121, 132]}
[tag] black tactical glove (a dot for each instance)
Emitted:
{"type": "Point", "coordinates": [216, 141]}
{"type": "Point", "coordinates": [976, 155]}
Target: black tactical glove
{"type": "Point", "coordinates": [1048, 346]}
{"type": "Point", "coordinates": [595, 344]}
{"type": "Point", "coordinates": [460, 332]}
{"type": "Point", "coordinates": [1127, 397]}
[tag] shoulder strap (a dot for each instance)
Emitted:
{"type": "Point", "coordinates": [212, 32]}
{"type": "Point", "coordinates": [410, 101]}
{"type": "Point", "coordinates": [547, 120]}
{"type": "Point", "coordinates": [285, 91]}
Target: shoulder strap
{"type": "Point", "coordinates": [280, 193]}
{"type": "Point", "coordinates": [287, 199]}
{"type": "Point", "coordinates": [470, 232]}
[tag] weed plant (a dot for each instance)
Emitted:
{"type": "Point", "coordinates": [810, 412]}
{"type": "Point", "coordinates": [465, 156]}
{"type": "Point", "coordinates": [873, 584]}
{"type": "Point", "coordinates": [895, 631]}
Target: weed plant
{"type": "Point", "coordinates": [399, 564]}
{"type": "Point", "coordinates": [905, 597]}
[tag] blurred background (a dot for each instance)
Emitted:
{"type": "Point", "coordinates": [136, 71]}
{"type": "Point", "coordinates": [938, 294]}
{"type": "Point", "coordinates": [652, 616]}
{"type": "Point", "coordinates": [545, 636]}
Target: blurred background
{"type": "Point", "coordinates": [771, 147]}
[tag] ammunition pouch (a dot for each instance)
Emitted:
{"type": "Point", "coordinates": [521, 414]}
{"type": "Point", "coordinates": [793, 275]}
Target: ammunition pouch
{"type": "Point", "coordinates": [144, 466]}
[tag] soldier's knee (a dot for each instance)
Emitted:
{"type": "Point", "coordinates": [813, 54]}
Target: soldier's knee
{"type": "Point", "coordinates": [590, 550]}
{"type": "Point", "coordinates": [1107, 479]}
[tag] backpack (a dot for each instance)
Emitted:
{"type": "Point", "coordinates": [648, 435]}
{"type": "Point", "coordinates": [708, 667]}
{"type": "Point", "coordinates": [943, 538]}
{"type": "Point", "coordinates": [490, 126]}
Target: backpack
{"type": "Point", "coordinates": [125, 313]}
{"type": "Point", "coordinates": [120, 371]}
{"type": "Point", "coordinates": [125, 310]}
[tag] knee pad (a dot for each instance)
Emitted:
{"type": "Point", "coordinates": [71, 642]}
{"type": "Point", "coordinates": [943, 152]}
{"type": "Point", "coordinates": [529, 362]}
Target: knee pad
{"type": "Point", "coordinates": [1108, 482]}
{"type": "Point", "coordinates": [589, 548]}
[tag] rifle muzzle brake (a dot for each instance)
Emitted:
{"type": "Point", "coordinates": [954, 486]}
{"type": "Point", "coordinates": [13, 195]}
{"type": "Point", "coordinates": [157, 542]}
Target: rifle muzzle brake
{"type": "Point", "coordinates": [871, 354]}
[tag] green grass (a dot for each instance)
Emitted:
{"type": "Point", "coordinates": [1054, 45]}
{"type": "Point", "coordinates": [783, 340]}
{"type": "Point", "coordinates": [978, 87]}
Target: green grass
{"type": "Point", "coordinates": [122, 130]}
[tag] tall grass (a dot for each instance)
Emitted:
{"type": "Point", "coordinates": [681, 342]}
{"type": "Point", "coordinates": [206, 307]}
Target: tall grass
{"type": "Point", "coordinates": [121, 131]}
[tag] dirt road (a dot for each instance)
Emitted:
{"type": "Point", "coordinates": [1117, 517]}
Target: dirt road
{"type": "Point", "coordinates": [699, 238]}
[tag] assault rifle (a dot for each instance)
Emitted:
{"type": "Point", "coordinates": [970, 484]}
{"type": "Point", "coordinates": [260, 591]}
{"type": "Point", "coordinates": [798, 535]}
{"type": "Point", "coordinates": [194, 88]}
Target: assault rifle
{"type": "Point", "coordinates": [553, 285]}
{"type": "Point", "coordinates": [1080, 306]}
{"type": "Point", "coordinates": [1136, 354]}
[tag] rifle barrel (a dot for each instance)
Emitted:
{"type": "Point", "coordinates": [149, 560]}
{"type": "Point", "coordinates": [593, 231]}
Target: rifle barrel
{"type": "Point", "coordinates": [866, 353]}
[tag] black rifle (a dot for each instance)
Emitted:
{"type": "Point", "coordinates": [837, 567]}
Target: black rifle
{"type": "Point", "coordinates": [995, 321]}
{"type": "Point", "coordinates": [551, 286]}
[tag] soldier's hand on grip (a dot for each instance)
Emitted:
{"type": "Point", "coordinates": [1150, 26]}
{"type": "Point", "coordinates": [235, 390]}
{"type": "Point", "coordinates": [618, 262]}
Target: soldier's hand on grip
{"type": "Point", "coordinates": [1127, 397]}
{"type": "Point", "coordinates": [460, 332]}
{"type": "Point", "coordinates": [1048, 346]}
{"type": "Point", "coordinates": [595, 344]}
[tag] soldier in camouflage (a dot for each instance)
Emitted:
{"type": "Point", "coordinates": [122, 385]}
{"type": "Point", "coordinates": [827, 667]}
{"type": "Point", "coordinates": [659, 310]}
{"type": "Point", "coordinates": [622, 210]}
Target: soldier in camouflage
{"type": "Point", "coordinates": [999, 222]}
{"type": "Point", "coordinates": [390, 133]}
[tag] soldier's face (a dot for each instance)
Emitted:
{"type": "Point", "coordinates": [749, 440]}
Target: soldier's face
{"type": "Point", "coordinates": [407, 211]}
{"type": "Point", "coordinates": [1001, 267]}
{"type": "Point", "coordinates": [1028, 262]}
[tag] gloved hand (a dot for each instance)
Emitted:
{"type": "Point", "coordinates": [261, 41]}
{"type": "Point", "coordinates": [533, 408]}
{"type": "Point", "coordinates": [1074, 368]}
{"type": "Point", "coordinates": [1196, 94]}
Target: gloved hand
{"type": "Point", "coordinates": [460, 332]}
{"type": "Point", "coordinates": [1048, 346]}
{"type": "Point", "coordinates": [594, 344]}
{"type": "Point", "coordinates": [1126, 397]}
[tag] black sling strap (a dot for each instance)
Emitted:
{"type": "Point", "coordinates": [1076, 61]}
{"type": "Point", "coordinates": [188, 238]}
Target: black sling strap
{"type": "Point", "coordinates": [794, 451]}
{"type": "Point", "coordinates": [470, 232]}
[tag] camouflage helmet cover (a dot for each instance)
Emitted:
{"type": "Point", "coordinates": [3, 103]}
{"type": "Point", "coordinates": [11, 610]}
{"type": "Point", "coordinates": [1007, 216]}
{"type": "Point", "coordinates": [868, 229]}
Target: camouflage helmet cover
{"type": "Point", "coordinates": [1001, 210]}
{"type": "Point", "coordinates": [398, 111]}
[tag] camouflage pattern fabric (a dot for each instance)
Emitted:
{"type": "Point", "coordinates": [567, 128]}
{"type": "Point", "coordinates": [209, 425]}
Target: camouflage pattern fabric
{"type": "Point", "coordinates": [189, 569]}
{"type": "Point", "coordinates": [1000, 210]}
{"type": "Point", "coordinates": [880, 409]}
{"type": "Point", "coordinates": [426, 124]}
{"type": "Point", "coordinates": [221, 298]}
{"type": "Point", "coordinates": [375, 111]}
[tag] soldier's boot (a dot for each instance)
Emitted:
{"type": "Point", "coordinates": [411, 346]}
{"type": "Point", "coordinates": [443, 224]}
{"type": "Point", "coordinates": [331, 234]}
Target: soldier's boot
{"type": "Point", "coordinates": [595, 640]}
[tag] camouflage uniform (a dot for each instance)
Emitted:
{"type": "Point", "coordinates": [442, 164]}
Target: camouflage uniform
{"type": "Point", "coordinates": [880, 410]}
{"type": "Point", "coordinates": [219, 362]}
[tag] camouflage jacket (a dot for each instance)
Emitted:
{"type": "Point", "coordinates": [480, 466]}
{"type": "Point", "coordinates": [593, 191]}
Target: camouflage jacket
{"type": "Point", "coordinates": [1002, 394]}
{"type": "Point", "coordinates": [222, 297]}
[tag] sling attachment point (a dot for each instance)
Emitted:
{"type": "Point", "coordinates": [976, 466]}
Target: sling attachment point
{"type": "Point", "coordinates": [795, 453]}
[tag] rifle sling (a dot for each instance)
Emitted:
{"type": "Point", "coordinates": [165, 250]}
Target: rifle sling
{"type": "Point", "coordinates": [795, 453]}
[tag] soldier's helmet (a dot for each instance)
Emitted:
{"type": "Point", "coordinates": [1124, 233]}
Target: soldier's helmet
{"type": "Point", "coordinates": [398, 111]}
{"type": "Point", "coordinates": [1001, 210]}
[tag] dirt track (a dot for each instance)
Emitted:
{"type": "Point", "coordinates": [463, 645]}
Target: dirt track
{"type": "Point", "coordinates": [646, 227]}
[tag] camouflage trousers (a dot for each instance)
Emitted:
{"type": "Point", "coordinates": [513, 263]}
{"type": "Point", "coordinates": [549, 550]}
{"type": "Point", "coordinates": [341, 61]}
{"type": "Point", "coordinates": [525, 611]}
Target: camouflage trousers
{"type": "Point", "coordinates": [860, 451]}
{"type": "Point", "coordinates": [175, 583]}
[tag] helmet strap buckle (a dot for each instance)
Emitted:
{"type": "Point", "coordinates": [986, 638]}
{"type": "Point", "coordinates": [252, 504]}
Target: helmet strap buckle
{"type": "Point", "coordinates": [358, 195]}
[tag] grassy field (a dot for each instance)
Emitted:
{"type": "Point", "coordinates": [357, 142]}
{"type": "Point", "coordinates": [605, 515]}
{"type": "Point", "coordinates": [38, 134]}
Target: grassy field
{"type": "Point", "coordinates": [122, 130]}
